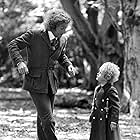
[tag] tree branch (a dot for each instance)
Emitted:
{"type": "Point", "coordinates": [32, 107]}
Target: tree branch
{"type": "Point", "coordinates": [112, 19]}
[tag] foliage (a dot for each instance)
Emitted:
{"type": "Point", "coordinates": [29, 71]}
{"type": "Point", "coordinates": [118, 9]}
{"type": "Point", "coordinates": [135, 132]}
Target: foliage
{"type": "Point", "coordinates": [13, 15]}
{"type": "Point", "coordinates": [76, 55]}
{"type": "Point", "coordinates": [14, 20]}
{"type": "Point", "coordinates": [95, 23]}
{"type": "Point", "coordinates": [20, 16]}
{"type": "Point", "coordinates": [99, 42]}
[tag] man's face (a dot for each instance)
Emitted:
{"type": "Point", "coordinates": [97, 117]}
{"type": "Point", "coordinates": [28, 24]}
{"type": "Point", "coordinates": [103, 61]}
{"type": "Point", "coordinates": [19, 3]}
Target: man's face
{"type": "Point", "coordinates": [60, 30]}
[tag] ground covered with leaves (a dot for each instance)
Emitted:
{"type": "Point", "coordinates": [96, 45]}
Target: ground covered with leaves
{"type": "Point", "coordinates": [18, 122]}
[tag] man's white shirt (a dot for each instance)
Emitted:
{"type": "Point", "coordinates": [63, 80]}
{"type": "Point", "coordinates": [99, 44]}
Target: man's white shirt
{"type": "Point", "coordinates": [51, 35]}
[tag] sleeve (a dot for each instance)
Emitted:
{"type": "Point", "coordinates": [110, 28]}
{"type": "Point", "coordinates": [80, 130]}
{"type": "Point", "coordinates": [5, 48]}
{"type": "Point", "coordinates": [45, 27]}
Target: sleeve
{"type": "Point", "coordinates": [18, 44]}
{"type": "Point", "coordinates": [63, 59]}
{"type": "Point", "coordinates": [114, 105]}
{"type": "Point", "coordinates": [93, 101]}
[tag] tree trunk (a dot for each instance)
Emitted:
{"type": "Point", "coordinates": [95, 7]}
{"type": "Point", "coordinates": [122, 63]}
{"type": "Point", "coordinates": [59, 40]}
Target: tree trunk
{"type": "Point", "coordinates": [85, 33]}
{"type": "Point", "coordinates": [132, 64]}
{"type": "Point", "coordinates": [134, 72]}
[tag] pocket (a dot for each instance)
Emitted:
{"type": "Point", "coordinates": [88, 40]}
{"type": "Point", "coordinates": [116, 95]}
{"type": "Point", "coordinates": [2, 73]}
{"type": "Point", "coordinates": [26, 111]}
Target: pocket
{"type": "Point", "coordinates": [35, 73]}
{"type": "Point", "coordinates": [28, 82]}
{"type": "Point", "coordinates": [34, 77]}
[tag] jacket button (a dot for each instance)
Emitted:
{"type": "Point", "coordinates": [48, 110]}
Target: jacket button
{"type": "Point", "coordinates": [102, 100]}
{"type": "Point", "coordinates": [95, 108]}
{"type": "Point", "coordinates": [93, 118]}
{"type": "Point", "coordinates": [101, 109]}
{"type": "Point", "coordinates": [55, 66]}
{"type": "Point", "coordinates": [50, 68]}
{"type": "Point", "coordinates": [101, 119]}
{"type": "Point", "coordinates": [95, 99]}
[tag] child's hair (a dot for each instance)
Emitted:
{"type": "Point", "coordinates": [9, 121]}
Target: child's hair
{"type": "Point", "coordinates": [110, 71]}
{"type": "Point", "coordinates": [55, 17]}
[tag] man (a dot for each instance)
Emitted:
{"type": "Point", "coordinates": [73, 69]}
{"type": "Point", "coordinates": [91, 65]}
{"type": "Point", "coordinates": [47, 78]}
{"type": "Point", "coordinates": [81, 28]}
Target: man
{"type": "Point", "coordinates": [44, 49]}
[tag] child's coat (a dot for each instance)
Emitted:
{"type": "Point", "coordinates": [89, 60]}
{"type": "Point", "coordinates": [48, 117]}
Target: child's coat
{"type": "Point", "coordinates": [106, 105]}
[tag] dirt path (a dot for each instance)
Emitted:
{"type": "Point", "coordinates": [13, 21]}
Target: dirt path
{"type": "Point", "coordinates": [19, 123]}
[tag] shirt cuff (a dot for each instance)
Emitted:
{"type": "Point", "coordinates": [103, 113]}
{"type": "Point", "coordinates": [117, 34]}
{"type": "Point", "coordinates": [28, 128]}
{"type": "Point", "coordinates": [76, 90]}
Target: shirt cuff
{"type": "Point", "coordinates": [114, 123]}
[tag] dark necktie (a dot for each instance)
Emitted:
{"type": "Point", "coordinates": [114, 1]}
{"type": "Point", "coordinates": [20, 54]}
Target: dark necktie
{"type": "Point", "coordinates": [54, 44]}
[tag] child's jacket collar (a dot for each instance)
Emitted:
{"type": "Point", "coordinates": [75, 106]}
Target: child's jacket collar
{"type": "Point", "coordinates": [106, 86]}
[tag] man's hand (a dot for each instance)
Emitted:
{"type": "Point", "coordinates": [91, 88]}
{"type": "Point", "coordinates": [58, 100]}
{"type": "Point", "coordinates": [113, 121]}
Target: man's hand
{"type": "Point", "coordinates": [22, 68]}
{"type": "Point", "coordinates": [72, 71]}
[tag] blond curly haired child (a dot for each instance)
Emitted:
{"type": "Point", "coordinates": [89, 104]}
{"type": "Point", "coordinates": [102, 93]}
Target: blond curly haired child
{"type": "Point", "coordinates": [104, 115]}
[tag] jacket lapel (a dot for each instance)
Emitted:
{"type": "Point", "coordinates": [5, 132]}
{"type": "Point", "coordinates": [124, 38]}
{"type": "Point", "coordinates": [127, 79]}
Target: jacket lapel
{"type": "Point", "coordinates": [45, 37]}
{"type": "Point", "coordinates": [57, 52]}
{"type": "Point", "coordinates": [107, 86]}
{"type": "Point", "coordinates": [104, 89]}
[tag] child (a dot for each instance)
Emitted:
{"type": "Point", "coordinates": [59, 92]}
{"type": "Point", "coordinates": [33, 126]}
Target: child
{"type": "Point", "coordinates": [44, 48]}
{"type": "Point", "coordinates": [106, 104]}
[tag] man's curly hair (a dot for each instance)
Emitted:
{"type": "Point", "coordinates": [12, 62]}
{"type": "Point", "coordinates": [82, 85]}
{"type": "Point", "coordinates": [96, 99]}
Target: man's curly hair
{"type": "Point", "coordinates": [54, 18]}
{"type": "Point", "coordinates": [110, 69]}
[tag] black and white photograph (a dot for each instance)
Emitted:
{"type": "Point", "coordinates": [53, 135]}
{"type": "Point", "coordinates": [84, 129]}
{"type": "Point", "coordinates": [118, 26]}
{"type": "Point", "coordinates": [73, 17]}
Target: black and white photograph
{"type": "Point", "coordinates": [69, 70]}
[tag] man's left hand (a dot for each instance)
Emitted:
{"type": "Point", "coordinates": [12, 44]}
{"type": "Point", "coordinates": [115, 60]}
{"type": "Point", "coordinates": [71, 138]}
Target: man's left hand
{"type": "Point", "coordinates": [72, 71]}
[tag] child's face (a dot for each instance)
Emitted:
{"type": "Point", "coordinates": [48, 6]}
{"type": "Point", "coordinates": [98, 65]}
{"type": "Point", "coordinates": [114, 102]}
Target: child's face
{"type": "Point", "coordinates": [100, 77]}
{"type": "Point", "coordinates": [60, 30]}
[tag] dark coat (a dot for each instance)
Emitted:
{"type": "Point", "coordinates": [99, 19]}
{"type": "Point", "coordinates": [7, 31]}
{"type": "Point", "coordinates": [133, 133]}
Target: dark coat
{"type": "Point", "coordinates": [41, 61]}
{"type": "Point", "coordinates": [106, 105]}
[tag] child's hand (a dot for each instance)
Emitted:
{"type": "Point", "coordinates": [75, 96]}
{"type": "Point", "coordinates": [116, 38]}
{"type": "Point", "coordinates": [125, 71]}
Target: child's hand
{"type": "Point", "coordinates": [91, 117]}
{"type": "Point", "coordinates": [113, 126]}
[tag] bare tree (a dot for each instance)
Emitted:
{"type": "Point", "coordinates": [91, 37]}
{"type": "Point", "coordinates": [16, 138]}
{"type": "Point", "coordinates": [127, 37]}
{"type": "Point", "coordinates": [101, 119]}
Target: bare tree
{"type": "Point", "coordinates": [98, 41]}
{"type": "Point", "coordinates": [131, 24]}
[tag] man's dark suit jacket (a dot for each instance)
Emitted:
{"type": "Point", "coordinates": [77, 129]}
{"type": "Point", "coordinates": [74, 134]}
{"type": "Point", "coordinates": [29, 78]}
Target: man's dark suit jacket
{"type": "Point", "coordinates": [40, 62]}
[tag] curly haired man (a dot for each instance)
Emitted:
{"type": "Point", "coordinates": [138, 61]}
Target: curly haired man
{"type": "Point", "coordinates": [45, 48]}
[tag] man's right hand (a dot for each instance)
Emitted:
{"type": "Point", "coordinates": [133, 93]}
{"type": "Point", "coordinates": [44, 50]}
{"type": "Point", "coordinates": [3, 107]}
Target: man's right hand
{"type": "Point", "coordinates": [22, 68]}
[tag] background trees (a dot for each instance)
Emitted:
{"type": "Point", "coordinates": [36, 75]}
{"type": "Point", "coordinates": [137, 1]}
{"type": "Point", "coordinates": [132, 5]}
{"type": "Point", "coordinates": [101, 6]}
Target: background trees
{"type": "Point", "coordinates": [102, 30]}
{"type": "Point", "coordinates": [96, 28]}
{"type": "Point", "coordinates": [115, 39]}
{"type": "Point", "coordinates": [14, 20]}
{"type": "Point", "coordinates": [130, 31]}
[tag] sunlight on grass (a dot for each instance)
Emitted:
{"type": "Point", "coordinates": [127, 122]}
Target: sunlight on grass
{"type": "Point", "coordinates": [71, 124]}
{"type": "Point", "coordinates": [73, 136]}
